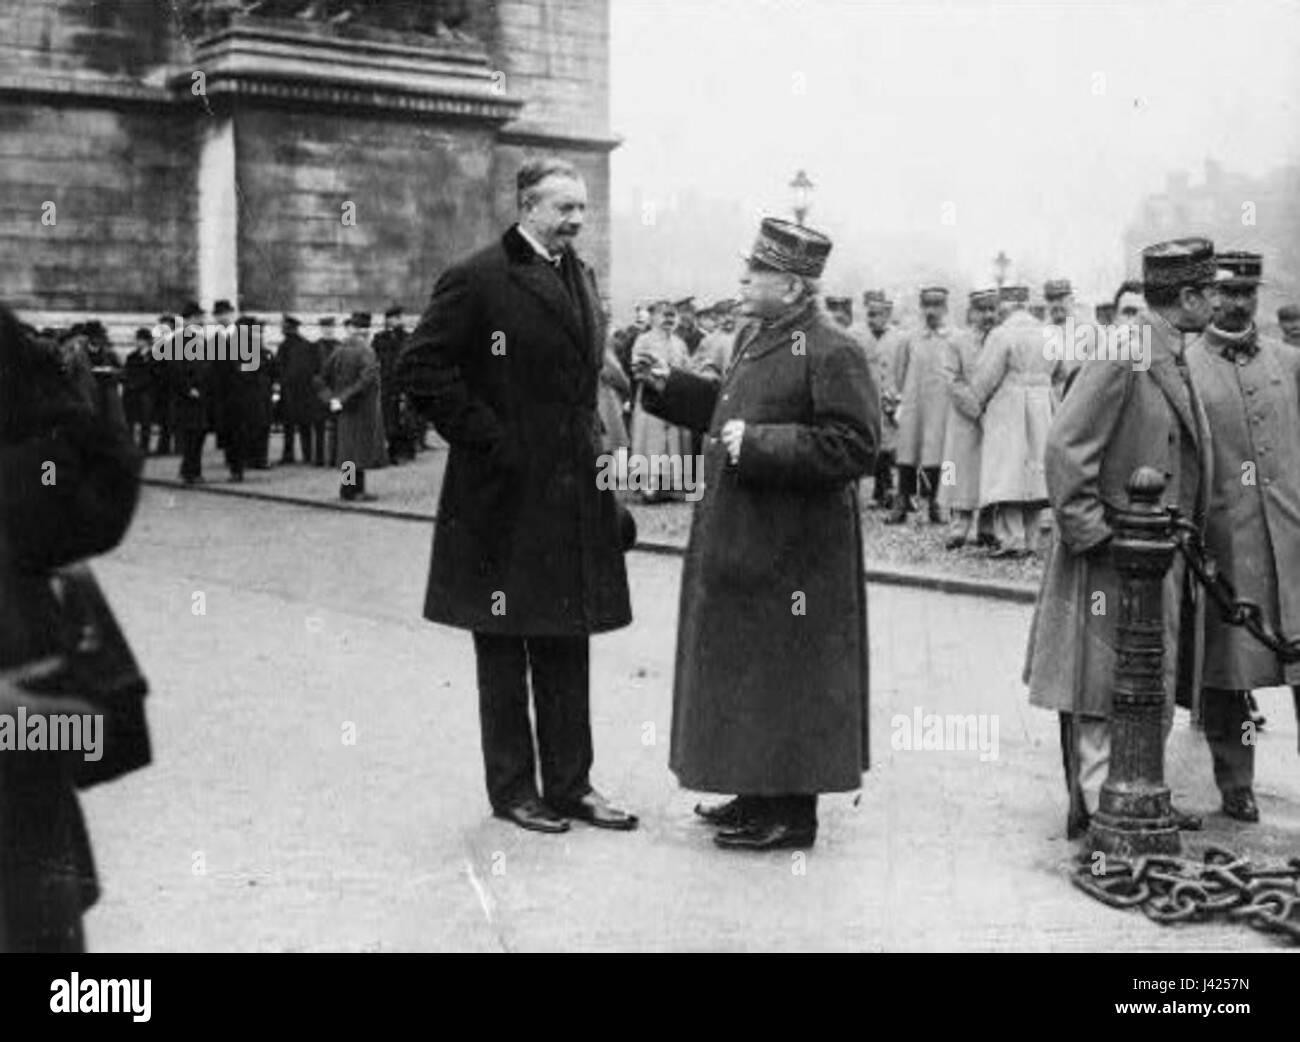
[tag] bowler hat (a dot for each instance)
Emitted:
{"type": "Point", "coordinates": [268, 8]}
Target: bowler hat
{"type": "Point", "coordinates": [359, 320]}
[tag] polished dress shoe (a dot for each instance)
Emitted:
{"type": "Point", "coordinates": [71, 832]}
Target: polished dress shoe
{"type": "Point", "coordinates": [767, 835]}
{"type": "Point", "coordinates": [1186, 822]}
{"type": "Point", "coordinates": [532, 814]}
{"type": "Point", "coordinates": [733, 814]}
{"type": "Point", "coordinates": [595, 810]}
{"type": "Point", "coordinates": [1240, 804]}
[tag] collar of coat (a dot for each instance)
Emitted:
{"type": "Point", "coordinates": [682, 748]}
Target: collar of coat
{"type": "Point", "coordinates": [1230, 345]}
{"type": "Point", "coordinates": [1167, 370]}
{"type": "Point", "coordinates": [546, 282]}
{"type": "Point", "coordinates": [762, 336]}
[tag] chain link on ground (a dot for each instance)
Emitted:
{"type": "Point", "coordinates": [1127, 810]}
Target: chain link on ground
{"type": "Point", "coordinates": [1222, 885]}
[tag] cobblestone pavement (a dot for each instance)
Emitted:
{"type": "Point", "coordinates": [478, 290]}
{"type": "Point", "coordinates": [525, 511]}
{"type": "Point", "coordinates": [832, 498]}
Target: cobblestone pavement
{"type": "Point", "coordinates": [259, 827]}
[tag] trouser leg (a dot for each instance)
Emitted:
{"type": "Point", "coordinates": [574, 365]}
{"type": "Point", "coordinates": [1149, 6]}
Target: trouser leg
{"type": "Point", "coordinates": [1232, 745]}
{"type": "Point", "coordinates": [883, 475]}
{"type": "Point", "coordinates": [192, 453]}
{"type": "Point", "coordinates": [931, 480]}
{"type": "Point", "coordinates": [1078, 810]}
{"type": "Point", "coordinates": [506, 732]}
{"type": "Point", "coordinates": [959, 525]}
{"type": "Point", "coordinates": [561, 677]}
{"type": "Point", "coordinates": [906, 484]}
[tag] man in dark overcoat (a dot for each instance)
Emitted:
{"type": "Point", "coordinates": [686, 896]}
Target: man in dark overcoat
{"type": "Point", "coordinates": [191, 388]}
{"type": "Point", "coordinates": [770, 687]}
{"type": "Point", "coordinates": [299, 363]}
{"type": "Point", "coordinates": [398, 429]}
{"type": "Point", "coordinates": [526, 554]}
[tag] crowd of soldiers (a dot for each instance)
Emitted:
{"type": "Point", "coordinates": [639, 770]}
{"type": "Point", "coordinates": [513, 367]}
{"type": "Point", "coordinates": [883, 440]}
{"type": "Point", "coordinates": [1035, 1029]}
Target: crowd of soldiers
{"type": "Point", "coordinates": [334, 398]}
{"type": "Point", "coordinates": [966, 409]}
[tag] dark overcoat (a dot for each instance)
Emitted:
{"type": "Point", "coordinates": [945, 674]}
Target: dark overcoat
{"type": "Point", "coordinates": [299, 363]}
{"type": "Point", "coordinates": [770, 690]}
{"type": "Point", "coordinates": [351, 375]}
{"type": "Point", "coordinates": [47, 875]}
{"type": "Point", "coordinates": [505, 363]}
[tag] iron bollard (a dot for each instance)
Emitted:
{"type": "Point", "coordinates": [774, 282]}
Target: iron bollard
{"type": "Point", "coordinates": [1134, 815]}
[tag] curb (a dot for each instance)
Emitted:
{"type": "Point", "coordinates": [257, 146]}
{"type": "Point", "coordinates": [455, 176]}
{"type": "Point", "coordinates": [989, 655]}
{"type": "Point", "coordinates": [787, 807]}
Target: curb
{"type": "Point", "coordinates": [1018, 593]}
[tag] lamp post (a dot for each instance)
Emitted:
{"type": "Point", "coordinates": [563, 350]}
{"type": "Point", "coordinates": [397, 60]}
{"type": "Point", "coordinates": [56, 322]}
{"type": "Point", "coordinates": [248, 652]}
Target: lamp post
{"type": "Point", "coordinates": [1001, 262]}
{"type": "Point", "coordinates": [802, 189]}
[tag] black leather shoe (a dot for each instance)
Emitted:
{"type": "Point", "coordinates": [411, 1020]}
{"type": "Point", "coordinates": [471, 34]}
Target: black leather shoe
{"type": "Point", "coordinates": [532, 814]}
{"type": "Point", "coordinates": [1186, 822]}
{"type": "Point", "coordinates": [733, 814]}
{"type": "Point", "coordinates": [594, 809]}
{"type": "Point", "coordinates": [1240, 804]}
{"type": "Point", "coordinates": [767, 835]}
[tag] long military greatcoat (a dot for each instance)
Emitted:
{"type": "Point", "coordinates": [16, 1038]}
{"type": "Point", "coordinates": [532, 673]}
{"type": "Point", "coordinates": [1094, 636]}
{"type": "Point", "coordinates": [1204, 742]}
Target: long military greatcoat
{"type": "Point", "coordinates": [351, 375]}
{"type": "Point", "coordinates": [882, 360]}
{"type": "Point", "coordinates": [770, 686]}
{"type": "Point", "coordinates": [959, 489]}
{"type": "Point", "coordinates": [918, 368]}
{"type": "Point", "coordinates": [506, 364]}
{"type": "Point", "coordinates": [1253, 529]}
{"type": "Point", "coordinates": [1115, 419]}
{"type": "Point", "coordinates": [1013, 384]}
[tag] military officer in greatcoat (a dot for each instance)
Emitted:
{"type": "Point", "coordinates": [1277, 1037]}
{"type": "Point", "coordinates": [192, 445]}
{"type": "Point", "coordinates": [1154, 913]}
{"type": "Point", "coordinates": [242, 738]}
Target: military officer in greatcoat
{"type": "Point", "coordinates": [959, 478]}
{"type": "Point", "coordinates": [1250, 387]}
{"type": "Point", "coordinates": [1120, 416]}
{"type": "Point", "coordinates": [770, 686]}
{"type": "Point", "coordinates": [881, 341]}
{"type": "Point", "coordinates": [924, 407]}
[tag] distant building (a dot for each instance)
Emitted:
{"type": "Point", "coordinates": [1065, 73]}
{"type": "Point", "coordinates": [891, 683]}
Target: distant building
{"type": "Point", "coordinates": [1239, 213]}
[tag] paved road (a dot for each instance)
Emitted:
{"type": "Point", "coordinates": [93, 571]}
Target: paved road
{"type": "Point", "coordinates": [261, 828]}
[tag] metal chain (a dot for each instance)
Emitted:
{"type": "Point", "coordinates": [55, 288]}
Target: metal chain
{"type": "Point", "coordinates": [1178, 889]}
{"type": "Point", "coordinates": [1236, 611]}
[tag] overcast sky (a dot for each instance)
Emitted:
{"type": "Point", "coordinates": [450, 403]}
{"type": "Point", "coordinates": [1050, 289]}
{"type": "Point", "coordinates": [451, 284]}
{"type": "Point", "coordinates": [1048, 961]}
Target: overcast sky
{"type": "Point", "coordinates": [1040, 125]}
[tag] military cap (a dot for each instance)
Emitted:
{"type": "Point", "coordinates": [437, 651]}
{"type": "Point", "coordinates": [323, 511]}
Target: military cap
{"type": "Point", "coordinates": [722, 307]}
{"type": "Point", "coordinates": [1055, 289]}
{"type": "Point", "coordinates": [839, 303]}
{"type": "Point", "coordinates": [1179, 262]}
{"type": "Point", "coordinates": [359, 320]}
{"type": "Point", "coordinates": [1014, 294]}
{"type": "Point", "coordinates": [1239, 268]}
{"type": "Point", "coordinates": [394, 310]}
{"type": "Point", "coordinates": [983, 297]}
{"type": "Point", "coordinates": [685, 304]}
{"type": "Point", "coordinates": [327, 320]}
{"type": "Point", "coordinates": [934, 295]}
{"type": "Point", "coordinates": [191, 309]}
{"type": "Point", "coordinates": [290, 322]}
{"type": "Point", "coordinates": [792, 248]}
{"type": "Point", "coordinates": [222, 305]}
{"type": "Point", "coordinates": [1289, 313]}
{"type": "Point", "coordinates": [877, 298]}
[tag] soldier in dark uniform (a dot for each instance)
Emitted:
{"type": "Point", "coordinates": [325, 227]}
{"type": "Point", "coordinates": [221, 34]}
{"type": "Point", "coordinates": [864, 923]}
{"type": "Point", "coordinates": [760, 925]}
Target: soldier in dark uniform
{"type": "Point", "coordinates": [397, 425]}
{"type": "Point", "coordinates": [299, 363]}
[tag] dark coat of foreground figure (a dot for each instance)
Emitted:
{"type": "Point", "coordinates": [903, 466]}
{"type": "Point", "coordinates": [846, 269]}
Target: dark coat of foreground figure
{"type": "Point", "coordinates": [47, 876]}
{"type": "Point", "coordinates": [506, 368]}
{"type": "Point", "coordinates": [770, 689]}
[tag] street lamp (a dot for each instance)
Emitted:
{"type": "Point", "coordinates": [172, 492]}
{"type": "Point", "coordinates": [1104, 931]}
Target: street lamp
{"type": "Point", "coordinates": [802, 189]}
{"type": "Point", "coordinates": [1001, 262]}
